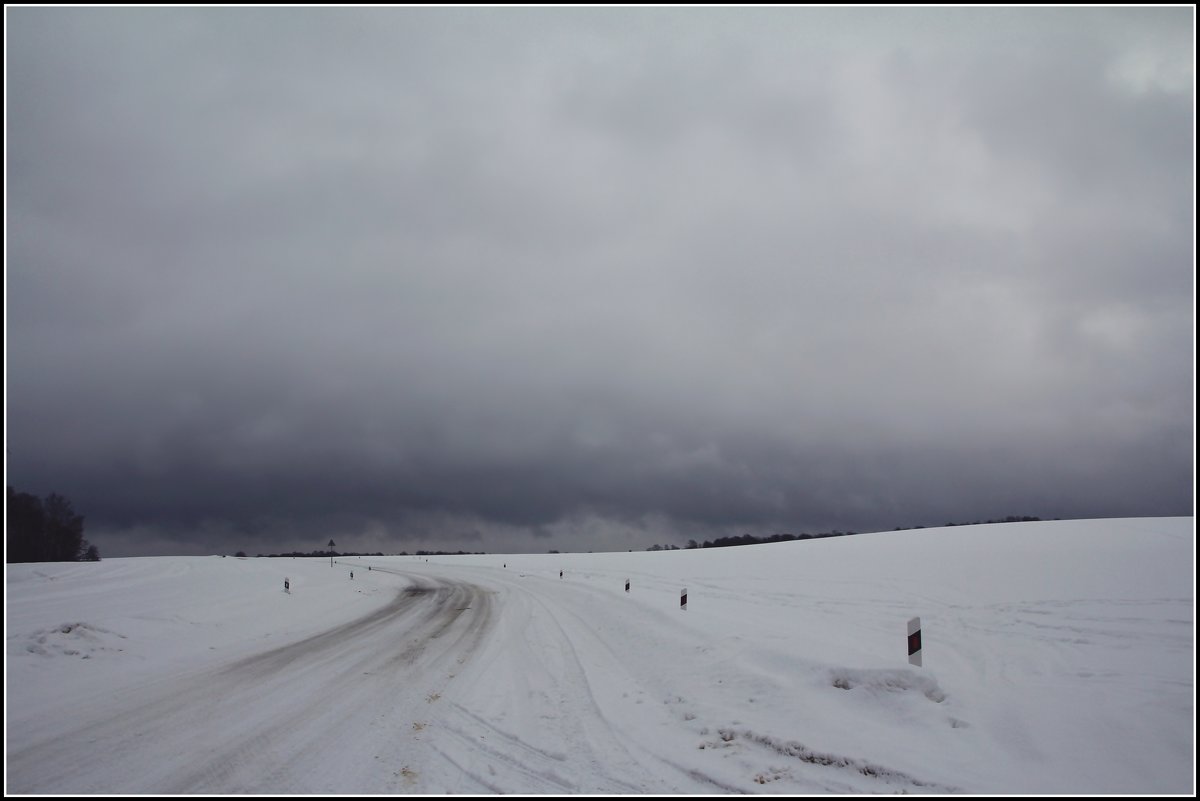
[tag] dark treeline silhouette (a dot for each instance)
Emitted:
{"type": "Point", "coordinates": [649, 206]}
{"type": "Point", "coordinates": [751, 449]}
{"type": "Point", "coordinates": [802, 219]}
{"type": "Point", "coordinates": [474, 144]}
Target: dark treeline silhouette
{"type": "Point", "coordinates": [336, 554]}
{"type": "Point", "coordinates": [325, 554]}
{"type": "Point", "coordinates": [719, 542]}
{"type": "Point", "coordinates": [1009, 519]}
{"type": "Point", "coordinates": [750, 539]}
{"type": "Point", "coordinates": [37, 530]}
{"type": "Point", "coordinates": [444, 553]}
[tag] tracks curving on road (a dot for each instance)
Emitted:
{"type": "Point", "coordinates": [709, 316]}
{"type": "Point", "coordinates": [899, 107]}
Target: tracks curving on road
{"type": "Point", "coordinates": [303, 717]}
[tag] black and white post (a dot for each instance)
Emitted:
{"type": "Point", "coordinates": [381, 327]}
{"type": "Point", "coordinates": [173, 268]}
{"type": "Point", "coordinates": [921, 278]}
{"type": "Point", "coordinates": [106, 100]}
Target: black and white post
{"type": "Point", "coordinates": [683, 599]}
{"type": "Point", "coordinates": [626, 585]}
{"type": "Point", "coordinates": [914, 641]}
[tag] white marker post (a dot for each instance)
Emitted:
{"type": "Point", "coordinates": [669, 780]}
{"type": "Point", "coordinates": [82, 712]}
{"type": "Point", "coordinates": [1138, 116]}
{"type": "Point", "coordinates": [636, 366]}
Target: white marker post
{"type": "Point", "coordinates": [626, 585]}
{"type": "Point", "coordinates": [683, 599]}
{"type": "Point", "coordinates": [914, 641]}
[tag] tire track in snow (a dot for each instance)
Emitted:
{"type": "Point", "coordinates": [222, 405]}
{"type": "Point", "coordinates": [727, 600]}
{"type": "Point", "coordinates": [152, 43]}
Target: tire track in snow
{"type": "Point", "coordinates": [756, 754]}
{"type": "Point", "coordinates": [560, 698]}
{"type": "Point", "coordinates": [519, 764]}
{"type": "Point", "coordinates": [279, 713]}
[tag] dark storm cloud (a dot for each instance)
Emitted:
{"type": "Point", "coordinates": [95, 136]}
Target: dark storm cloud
{"type": "Point", "coordinates": [521, 278]}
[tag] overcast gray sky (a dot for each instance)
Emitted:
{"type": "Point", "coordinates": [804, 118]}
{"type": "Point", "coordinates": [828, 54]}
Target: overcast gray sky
{"type": "Point", "coordinates": [521, 279]}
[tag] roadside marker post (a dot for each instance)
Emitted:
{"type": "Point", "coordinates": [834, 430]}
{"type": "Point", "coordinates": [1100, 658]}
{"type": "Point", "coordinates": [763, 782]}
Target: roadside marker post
{"type": "Point", "coordinates": [626, 585]}
{"type": "Point", "coordinates": [683, 599]}
{"type": "Point", "coordinates": [914, 641]}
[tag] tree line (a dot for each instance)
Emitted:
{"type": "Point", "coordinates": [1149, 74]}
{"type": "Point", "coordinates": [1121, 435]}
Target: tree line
{"type": "Point", "coordinates": [335, 554]}
{"type": "Point", "coordinates": [44, 530]}
{"type": "Point", "coordinates": [750, 539]}
{"type": "Point", "coordinates": [1009, 519]}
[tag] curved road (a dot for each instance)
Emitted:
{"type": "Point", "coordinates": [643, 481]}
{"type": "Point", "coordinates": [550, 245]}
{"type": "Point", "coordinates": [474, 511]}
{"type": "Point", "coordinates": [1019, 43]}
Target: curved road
{"type": "Point", "coordinates": [514, 684]}
{"type": "Point", "coordinates": [292, 719]}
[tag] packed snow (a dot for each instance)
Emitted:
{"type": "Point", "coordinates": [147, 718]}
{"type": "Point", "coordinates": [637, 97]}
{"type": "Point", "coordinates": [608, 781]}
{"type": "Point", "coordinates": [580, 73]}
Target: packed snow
{"type": "Point", "coordinates": [1058, 657]}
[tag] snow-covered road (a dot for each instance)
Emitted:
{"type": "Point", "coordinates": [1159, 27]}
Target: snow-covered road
{"type": "Point", "coordinates": [295, 707]}
{"type": "Point", "coordinates": [516, 682]}
{"type": "Point", "coordinates": [1059, 658]}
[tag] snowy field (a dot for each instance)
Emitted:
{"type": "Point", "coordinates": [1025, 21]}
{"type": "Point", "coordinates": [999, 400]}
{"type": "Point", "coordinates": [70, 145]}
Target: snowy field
{"type": "Point", "coordinates": [1059, 657]}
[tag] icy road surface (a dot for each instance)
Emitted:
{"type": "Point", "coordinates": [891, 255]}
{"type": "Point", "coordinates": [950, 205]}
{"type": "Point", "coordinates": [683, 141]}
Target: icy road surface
{"type": "Point", "coordinates": [1059, 657]}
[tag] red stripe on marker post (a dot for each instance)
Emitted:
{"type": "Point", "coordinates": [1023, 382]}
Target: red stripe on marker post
{"type": "Point", "coordinates": [914, 641]}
